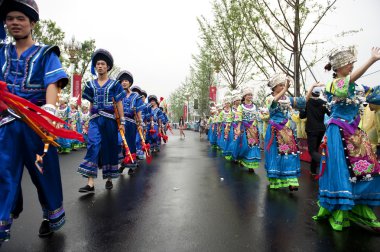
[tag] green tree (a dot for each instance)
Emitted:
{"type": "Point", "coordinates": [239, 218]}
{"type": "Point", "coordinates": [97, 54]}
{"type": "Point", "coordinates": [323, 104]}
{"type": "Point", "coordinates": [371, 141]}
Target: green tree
{"type": "Point", "coordinates": [225, 38]}
{"type": "Point", "coordinates": [203, 78]}
{"type": "Point", "coordinates": [279, 33]}
{"type": "Point", "coordinates": [49, 33]}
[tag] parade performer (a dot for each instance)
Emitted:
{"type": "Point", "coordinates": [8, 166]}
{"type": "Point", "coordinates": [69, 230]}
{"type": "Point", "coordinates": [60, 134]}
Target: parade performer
{"type": "Point", "coordinates": [63, 114]}
{"type": "Point", "coordinates": [349, 181]}
{"type": "Point", "coordinates": [140, 136]}
{"type": "Point", "coordinates": [233, 143]}
{"type": "Point", "coordinates": [85, 115]}
{"type": "Point", "coordinates": [75, 121]}
{"type": "Point", "coordinates": [133, 106]}
{"type": "Point", "coordinates": [154, 124]}
{"type": "Point", "coordinates": [248, 133]}
{"type": "Point", "coordinates": [102, 147]}
{"type": "Point", "coordinates": [282, 161]}
{"type": "Point", "coordinates": [264, 118]}
{"type": "Point", "coordinates": [165, 121]}
{"type": "Point", "coordinates": [225, 117]}
{"type": "Point", "coordinates": [218, 121]}
{"type": "Point", "coordinates": [213, 127]}
{"type": "Point", "coordinates": [30, 78]}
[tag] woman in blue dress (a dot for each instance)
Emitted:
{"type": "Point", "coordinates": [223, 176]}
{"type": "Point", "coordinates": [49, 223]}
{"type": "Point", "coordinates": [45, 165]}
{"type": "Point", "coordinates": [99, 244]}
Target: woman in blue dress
{"type": "Point", "coordinates": [282, 161]}
{"type": "Point", "coordinates": [232, 140]}
{"type": "Point", "coordinates": [226, 119]}
{"type": "Point", "coordinates": [248, 135]}
{"type": "Point", "coordinates": [63, 112]}
{"type": "Point", "coordinates": [349, 182]}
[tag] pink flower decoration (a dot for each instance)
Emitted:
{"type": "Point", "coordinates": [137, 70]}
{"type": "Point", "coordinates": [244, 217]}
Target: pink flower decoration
{"type": "Point", "coordinates": [250, 141]}
{"type": "Point", "coordinates": [340, 83]}
{"type": "Point", "coordinates": [361, 166]}
{"type": "Point", "coordinates": [350, 147]}
{"type": "Point", "coordinates": [284, 148]}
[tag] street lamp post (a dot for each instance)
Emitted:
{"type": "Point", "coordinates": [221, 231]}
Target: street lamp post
{"type": "Point", "coordinates": [72, 47]}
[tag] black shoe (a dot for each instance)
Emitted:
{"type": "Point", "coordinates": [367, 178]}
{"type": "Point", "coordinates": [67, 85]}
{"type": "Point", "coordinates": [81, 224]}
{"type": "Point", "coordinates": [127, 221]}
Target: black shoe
{"type": "Point", "coordinates": [251, 170]}
{"type": "Point", "coordinates": [45, 229]}
{"type": "Point", "coordinates": [87, 189]}
{"type": "Point", "coordinates": [121, 169]}
{"type": "Point", "coordinates": [131, 171]}
{"type": "Point", "coordinates": [109, 185]}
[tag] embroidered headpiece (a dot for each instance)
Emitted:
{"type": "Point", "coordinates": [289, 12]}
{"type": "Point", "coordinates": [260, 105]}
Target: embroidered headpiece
{"type": "Point", "coordinates": [342, 56]}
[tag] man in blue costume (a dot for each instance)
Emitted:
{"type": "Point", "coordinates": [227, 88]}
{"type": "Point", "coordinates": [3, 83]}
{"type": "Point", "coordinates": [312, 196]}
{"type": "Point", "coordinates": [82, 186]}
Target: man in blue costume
{"type": "Point", "coordinates": [154, 124]}
{"type": "Point", "coordinates": [34, 73]}
{"type": "Point", "coordinates": [139, 151]}
{"type": "Point", "coordinates": [102, 147]}
{"type": "Point", "coordinates": [132, 105]}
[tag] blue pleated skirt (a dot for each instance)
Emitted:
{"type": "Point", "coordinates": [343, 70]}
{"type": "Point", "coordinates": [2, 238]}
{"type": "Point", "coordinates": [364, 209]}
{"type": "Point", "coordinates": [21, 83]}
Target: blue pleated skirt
{"type": "Point", "coordinates": [280, 166]}
{"type": "Point", "coordinates": [336, 192]}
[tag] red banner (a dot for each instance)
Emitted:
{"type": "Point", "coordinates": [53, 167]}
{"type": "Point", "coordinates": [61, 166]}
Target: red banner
{"type": "Point", "coordinates": [184, 112]}
{"type": "Point", "coordinates": [77, 87]}
{"type": "Point", "coordinates": [212, 93]}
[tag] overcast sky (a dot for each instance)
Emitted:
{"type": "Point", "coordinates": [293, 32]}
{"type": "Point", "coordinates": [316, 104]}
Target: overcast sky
{"type": "Point", "coordinates": [155, 39]}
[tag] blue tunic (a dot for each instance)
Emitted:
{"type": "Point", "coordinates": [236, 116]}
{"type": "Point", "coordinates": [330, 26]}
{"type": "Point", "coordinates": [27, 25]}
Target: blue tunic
{"type": "Point", "coordinates": [144, 111]}
{"type": "Point", "coordinates": [102, 147]}
{"type": "Point", "coordinates": [28, 76]}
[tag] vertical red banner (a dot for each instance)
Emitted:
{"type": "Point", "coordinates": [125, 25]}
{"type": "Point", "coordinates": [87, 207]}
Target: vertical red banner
{"type": "Point", "coordinates": [77, 87]}
{"type": "Point", "coordinates": [184, 112]}
{"type": "Point", "coordinates": [212, 93]}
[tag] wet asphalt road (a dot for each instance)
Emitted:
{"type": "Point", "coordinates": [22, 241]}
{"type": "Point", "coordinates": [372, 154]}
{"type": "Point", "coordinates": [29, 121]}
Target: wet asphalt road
{"type": "Point", "coordinates": [188, 199]}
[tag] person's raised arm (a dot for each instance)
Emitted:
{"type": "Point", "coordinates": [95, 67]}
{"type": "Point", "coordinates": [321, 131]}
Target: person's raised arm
{"type": "Point", "coordinates": [375, 56]}
{"type": "Point", "coordinates": [278, 96]}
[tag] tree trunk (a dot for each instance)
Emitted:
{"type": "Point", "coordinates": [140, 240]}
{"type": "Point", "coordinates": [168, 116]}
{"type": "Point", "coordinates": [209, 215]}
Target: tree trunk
{"type": "Point", "coordinates": [296, 52]}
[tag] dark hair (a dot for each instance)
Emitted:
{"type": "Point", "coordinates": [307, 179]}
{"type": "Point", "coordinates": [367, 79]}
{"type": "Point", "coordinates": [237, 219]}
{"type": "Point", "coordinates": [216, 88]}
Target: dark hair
{"type": "Point", "coordinates": [328, 67]}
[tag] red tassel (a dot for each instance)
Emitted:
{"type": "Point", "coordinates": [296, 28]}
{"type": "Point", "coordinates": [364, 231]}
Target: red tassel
{"type": "Point", "coordinates": [165, 138]}
{"type": "Point", "coordinates": [152, 131]}
{"type": "Point", "coordinates": [322, 171]}
{"type": "Point", "coordinates": [146, 147]}
{"type": "Point", "coordinates": [148, 159]}
{"type": "Point", "coordinates": [161, 99]}
{"type": "Point", "coordinates": [128, 160]}
{"type": "Point", "coordinates": [323, 147]}
{"type": "Point", "coordinates": [35, 114]}
{"type": "Point", "coordinates": [159, 135]}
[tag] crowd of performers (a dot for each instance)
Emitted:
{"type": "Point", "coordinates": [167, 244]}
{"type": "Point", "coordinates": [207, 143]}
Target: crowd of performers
{"type": "Point", "coordinates": [349, 174]}
{"type": "Point", "coordinates": [118, 127]}
{"type": "Point", "coordinates": [118, 123]}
